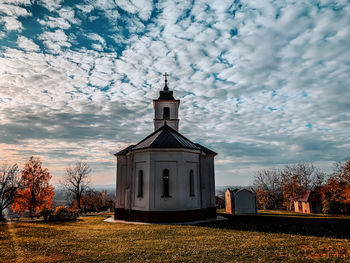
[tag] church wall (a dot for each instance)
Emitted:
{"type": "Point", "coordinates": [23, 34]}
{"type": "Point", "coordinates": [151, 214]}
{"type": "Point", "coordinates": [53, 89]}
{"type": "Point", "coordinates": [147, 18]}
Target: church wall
{"type": "Point", "coordinates": [207, 181]}
{"type": "Point", "coordinates": [141, 162]}
{"type": "Point", "coordinates": [172, 105]}
{"type": "Point", "coordinates": [179, 164]}
{"type": "Point", "coordinates": [173, 121]}
{"type": "Point", "coordinates": [121, 181]}
{"type": "Point", "coordinates": [190, 202]}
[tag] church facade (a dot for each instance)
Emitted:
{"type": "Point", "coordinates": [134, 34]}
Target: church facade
{"type": "Point", "coordinates": [165, 177]}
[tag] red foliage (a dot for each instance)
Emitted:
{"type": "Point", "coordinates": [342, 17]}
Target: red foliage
{"type": "Point", "coordinates": [36, 193]}
{"type": "Point", "coordinates": [336, 192]}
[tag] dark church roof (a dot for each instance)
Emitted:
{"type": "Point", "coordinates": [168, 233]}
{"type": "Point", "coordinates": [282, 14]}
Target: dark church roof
{"type": "Point", "coordinates": [125, 150]}
{"type": "Point", "coordinates": [205, 149]}
{"type": "Point", "coordinates": [166, 95]}
{"type": "Point", "coordinates": [165, 137]}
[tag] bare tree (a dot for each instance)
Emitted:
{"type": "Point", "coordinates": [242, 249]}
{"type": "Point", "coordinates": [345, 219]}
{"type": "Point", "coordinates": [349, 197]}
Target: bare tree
{"type": "Point", "coordinates": [9, 183]}
{"type": "Point", "coordinates": [76, 181]}
{"type": "Point", "coordinates": [298, 178]}
{"type": "Point", "coordinates": [268, 185]}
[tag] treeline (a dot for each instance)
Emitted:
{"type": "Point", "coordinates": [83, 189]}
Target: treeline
{"type": "Point", "coordinates": [277, 188]}
{"type": "Point", "coordinates": [29, 192]}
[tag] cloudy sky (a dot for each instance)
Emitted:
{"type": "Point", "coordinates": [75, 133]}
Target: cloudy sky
{"type": "Point", "coordinates": [263, 83]}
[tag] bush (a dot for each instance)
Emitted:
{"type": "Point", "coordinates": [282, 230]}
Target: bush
{"type": "Point", "coordinates": [62, 213]}
{"type": "Point", "coordinates": [46, 213]}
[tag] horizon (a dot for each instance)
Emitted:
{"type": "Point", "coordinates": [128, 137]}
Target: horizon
{"type": "Point", "coordinates": [263, 84]}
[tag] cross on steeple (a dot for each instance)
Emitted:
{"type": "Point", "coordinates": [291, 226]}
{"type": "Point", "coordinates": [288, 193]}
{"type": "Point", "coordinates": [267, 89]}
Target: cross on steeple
{"type": "Point", "coordinates": [166, 81]}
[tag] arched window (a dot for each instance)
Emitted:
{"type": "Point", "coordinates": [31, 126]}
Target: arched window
{"type": "Point", "coordinates": [166, 113]}
{"type": "Point", "coordinates": [140, 184]}
{"type": "Point", "coordinates": [165, 183]}
{"type": "Point", "coordinates": [191, 178]}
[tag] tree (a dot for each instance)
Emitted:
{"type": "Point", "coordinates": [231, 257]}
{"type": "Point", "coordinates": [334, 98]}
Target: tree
{"type": "Point", "coordinates": [297, 179]}
{"type": "Point", "coordinates": [267, 184]}
{"type": "Point", "coordinates": [36, 192]}
{"type": "Point", "coordinates": [95, 201]}
{"type": "Point", "coordinates": [9, 183]}
{"type": "Point", "coordinates": [275, 188]}
{"type": "Point", "coordinates": [76, 181]}
{"type": "Point", "coordinates": [336, 192]}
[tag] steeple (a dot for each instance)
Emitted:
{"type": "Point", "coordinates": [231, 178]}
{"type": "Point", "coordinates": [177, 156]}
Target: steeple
{"type": "Point", "coordinates": [166, 108]}
{"type": "Point", "coordinates": [166, 94]}
{"type": "Point", "coordinates": [166, 81]}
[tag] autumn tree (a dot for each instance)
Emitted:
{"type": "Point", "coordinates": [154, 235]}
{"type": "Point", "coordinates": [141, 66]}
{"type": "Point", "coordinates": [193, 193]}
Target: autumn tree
{"type": "Point", "coordinates": [36, 192]}
{"type": "Point", "coordinates": [9, 183]}
{"type": "Point", "coordinates": [95, 201]}
{"type": "Point", "coordinates": [268, 187]}
{"type": "Point", "coordinates": [336, 192]}
{"type": "Point", "coordinates": [298, 178]}
{"type": "Point", "coordinates": [76, 181]}
{"type": "Point", "coordinates": [277, 188]}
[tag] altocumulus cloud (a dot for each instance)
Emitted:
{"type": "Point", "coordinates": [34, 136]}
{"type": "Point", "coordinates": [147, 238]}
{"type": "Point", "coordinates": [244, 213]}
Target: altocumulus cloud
{"type": "Point", "coordinates": [263, 83]}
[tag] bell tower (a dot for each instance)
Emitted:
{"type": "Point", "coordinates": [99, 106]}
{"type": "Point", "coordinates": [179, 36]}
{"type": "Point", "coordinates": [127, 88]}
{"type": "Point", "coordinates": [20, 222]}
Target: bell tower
{"type": "Point", "coordinates": [166, 108]}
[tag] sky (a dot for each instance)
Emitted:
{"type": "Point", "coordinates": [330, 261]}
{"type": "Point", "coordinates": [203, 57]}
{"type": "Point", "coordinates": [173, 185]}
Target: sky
{"type": "Point", "coordinates": [262, 83]}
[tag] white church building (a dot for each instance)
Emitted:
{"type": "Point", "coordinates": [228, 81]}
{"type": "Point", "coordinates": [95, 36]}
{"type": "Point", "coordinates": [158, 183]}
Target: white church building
{"type": "Point", "coordinates": [165, 177]}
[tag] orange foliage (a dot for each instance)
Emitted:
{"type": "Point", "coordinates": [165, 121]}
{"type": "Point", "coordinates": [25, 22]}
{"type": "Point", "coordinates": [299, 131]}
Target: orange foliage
{"type": "Point", "coordinates": [36, 192]}
{"type": "Point", "coordinates": [336, 192]}
{"type": "Point", "coordinates": [263, 198]}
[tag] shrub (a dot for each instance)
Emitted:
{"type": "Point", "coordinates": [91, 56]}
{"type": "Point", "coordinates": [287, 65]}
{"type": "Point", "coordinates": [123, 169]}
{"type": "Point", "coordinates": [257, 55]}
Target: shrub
{"type": "Point", "coordinates": [46, 213]}
{"type": "Point", "coordinates": [62, 213]}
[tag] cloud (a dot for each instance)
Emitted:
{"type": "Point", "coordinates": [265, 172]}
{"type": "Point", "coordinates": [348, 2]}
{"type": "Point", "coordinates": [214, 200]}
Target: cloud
{"type": "Point", "coordinates": [55, 22]}
{"type": "Point", "coordinates": [261, 83]}
{"type": "Point", "coordinates": [51, 5]}
{"type": "Point", "coordinates": [11, 23]}
{"type": "Point", "coordinates": [27, 44]}
{"type": "Point", "coordinates": [55, 41]}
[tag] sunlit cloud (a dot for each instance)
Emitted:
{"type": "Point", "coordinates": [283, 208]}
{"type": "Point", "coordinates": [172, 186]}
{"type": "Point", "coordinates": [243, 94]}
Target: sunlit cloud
{"type": "Point", "coordinates": [261, 83]}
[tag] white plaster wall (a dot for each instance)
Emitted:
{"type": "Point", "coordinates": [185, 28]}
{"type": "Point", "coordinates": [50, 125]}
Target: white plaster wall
{"type": "Point", "coordinates": [207, 181]}
{"type": "Point", "coordinates": [172, 123]}
{"type": "Point", "coordinates": [141, 162]}
{"type": "Point", "coordinates": [141, 203]}
{"type": "Point", "coordinates": [121, 181]}
{"type": "Point", "coordinates": [172, 105]}
{"type": "Point", "coordinates": [179, 164]}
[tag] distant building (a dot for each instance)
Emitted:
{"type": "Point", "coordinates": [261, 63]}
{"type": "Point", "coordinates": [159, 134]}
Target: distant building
{"type": "Point", "coordinates": [165, 177]}
{"type": "Point", "coordinates": [309, 202]}
{"type": "Point", "coordinates": [240, 201]}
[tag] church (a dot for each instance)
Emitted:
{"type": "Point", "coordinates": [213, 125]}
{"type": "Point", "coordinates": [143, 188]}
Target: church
{"type": "Point", "coordinates": [165, 177]}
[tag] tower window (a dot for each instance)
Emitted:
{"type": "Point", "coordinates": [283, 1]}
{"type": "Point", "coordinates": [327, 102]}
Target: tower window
{"type": "Point", "coordinates": [140, 184]}
{"type": "Point", "coordinates": [166, 183]}
{"type": "Point", "coordinates": [191, 178]}
{"type": "Point", "coordinates": [166, 113]}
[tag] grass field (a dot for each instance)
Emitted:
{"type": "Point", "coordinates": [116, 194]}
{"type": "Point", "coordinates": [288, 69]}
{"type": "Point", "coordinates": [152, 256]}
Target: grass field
{"type": "Point", "coordinates": [266, 237]}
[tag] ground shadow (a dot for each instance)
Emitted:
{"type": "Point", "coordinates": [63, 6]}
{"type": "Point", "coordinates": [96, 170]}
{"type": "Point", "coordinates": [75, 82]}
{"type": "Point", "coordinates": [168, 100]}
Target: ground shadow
{"type": "Point", "coordinates": [308, 226]}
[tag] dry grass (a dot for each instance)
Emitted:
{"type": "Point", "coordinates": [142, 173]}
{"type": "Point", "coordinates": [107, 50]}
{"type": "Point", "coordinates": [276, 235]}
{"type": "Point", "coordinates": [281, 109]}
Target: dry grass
{"type": "Point", "coordinates": [90, 239]}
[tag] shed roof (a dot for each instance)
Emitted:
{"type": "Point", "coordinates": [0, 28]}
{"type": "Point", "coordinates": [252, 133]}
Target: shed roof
{"type": "Point", "coordinates": [303, 197]}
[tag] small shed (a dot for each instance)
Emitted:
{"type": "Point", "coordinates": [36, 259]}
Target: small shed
{"type": "Point", "coordinates": [240, 201]}
{"type": "Point", "coordinates": [309, 202]}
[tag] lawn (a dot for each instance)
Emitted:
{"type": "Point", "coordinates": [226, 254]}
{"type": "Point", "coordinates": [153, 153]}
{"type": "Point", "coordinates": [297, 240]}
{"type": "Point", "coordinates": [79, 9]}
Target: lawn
{"type": "Point", "coordinates": [242, 238]}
